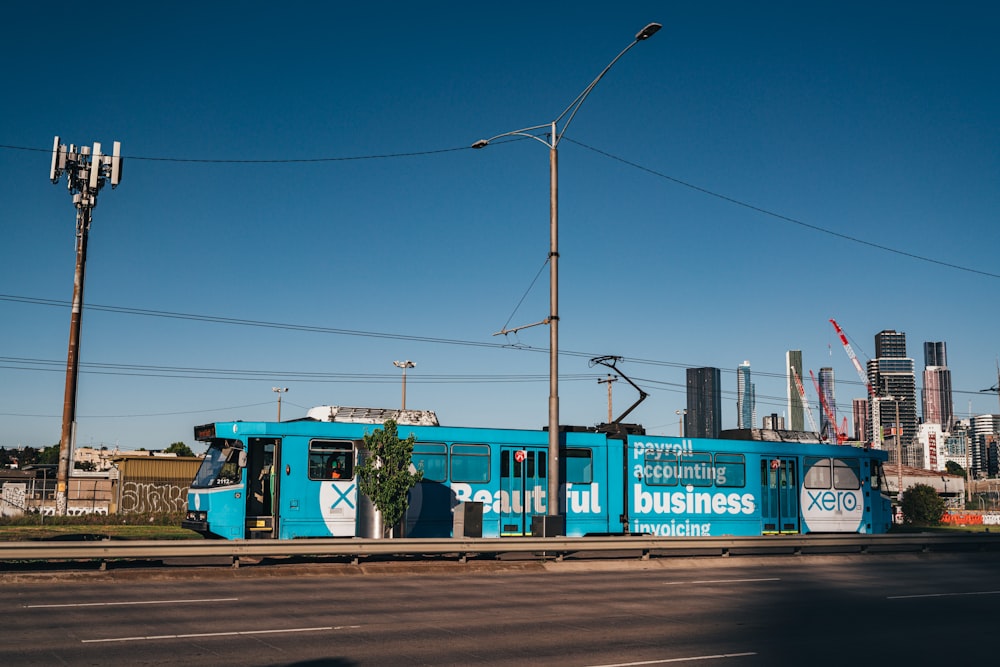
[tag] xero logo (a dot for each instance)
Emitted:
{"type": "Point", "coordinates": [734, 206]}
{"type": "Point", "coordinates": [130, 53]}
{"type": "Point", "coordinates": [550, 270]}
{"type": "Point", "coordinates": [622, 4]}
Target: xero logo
{"type": "Point", "coordinates": [831, 501]}
{"type": "Point", "coordinates": [832, 510]}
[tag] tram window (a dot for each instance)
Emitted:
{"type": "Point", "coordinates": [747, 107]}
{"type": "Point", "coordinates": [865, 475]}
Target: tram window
{"type": "Point", "coordinates": [221, 465]}
{"type": "Point", "coordinates": [818, 473]}
{"type": "Point", "coordinates": [846, 474]}
{"type": "Point", "coordinates": [579, 466]}
{"type": "Point", "coordinates": [695, 469]}
{"type": "Point", "coordinates": [470, 463]}
{"type": "Point", "coordinates": [331, 459]}
{"type": "Point", "coordinates": [730, 470]}
{"type": "Point", "coordinates": [432, 458]}
{"type": "Point", "coordinates": [660, 469]}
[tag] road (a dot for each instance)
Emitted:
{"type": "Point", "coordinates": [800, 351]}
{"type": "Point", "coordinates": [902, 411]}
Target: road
{"type": "Point", "coordinates": [918, 609]}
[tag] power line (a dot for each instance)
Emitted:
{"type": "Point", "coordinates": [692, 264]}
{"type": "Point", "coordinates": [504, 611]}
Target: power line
{"type": "Point", "coordinates": [634, 165]}
{"type": "Point", "coordinates": [779, 216]}
{"type": "Point", "coordinates": [349, 158]}
{"type": "Point", "coordinates": [245, 374]}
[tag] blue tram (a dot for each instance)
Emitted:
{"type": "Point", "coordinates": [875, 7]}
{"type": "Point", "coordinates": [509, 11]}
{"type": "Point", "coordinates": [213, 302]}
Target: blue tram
{"type": "Point", "coordinates": [296, 479]}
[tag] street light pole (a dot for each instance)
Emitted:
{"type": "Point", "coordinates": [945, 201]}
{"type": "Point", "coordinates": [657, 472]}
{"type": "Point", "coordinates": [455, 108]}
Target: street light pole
{"type": "Point", "coordinates": [404, 365]}
{"type": "Point", "coordinates": [279, 391]}
{"type": "Point", "coordinates": [554, 136]}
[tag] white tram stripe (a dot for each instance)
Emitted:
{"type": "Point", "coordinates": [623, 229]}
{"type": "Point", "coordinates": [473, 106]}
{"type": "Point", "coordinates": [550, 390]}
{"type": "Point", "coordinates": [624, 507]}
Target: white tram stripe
{"type": "Point", "coordinates": [718, 581]}
{"type": "Point", "coordinates": [122, 604]}
{"type": "Point", "coordinates": [940, 595]}
{"type": "Point", "coordinates": [687, 659]}
{"type": "Point", "coordinates": [203, 635]}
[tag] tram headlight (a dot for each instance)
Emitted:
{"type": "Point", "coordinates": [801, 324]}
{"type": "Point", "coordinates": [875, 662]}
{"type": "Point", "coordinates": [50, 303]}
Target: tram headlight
{"type": "Point", "coordinates": [196, 516]}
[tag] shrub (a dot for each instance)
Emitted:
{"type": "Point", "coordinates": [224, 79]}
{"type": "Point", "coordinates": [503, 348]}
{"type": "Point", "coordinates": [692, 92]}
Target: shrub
{"type": "Point", "coordinates": [922, 506]}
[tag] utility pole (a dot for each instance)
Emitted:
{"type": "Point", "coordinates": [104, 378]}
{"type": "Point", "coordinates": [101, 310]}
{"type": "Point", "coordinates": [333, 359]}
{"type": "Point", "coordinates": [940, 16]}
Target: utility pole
{"type": "Point", "coordinates": [404, 365]}
{"type": "Point", "coordinates": [279, 391]}
{"type": "Point", "coordinates": [87, 172]}
{"type": "Point", "coordinates": [608, 382]}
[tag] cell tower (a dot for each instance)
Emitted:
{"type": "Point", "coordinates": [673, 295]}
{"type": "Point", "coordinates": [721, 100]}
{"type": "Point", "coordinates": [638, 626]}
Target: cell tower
{"type": "Point", "coordinates": [87, 172]}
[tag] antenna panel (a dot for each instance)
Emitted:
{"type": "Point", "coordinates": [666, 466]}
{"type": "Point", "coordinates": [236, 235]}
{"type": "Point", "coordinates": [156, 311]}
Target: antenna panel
{"type": "Point", "coordinates": [116, 164]}
{"type": "Point", "coordinates": [54, 171]}
{"type": "Point", "coordinates": [95, 166]}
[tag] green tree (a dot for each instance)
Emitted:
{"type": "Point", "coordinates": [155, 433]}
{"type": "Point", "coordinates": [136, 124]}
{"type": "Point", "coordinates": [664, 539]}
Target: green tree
{"type": "Point", "coordinates": [384, 473]}
{"type": "Point", "coordinates": [922, 506]}
{"type": "Point", "coordinates": [49, 455]}
{"type": "Point", "coordinates": [180, 449]}
{"type": "Point", "coordinates": [953, 468]}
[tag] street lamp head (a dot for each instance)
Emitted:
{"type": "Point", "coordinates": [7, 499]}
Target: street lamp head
{"type": "Point", "coordinates": [648, 32]}
{"type": "Point", "coordinates": [482, 143]}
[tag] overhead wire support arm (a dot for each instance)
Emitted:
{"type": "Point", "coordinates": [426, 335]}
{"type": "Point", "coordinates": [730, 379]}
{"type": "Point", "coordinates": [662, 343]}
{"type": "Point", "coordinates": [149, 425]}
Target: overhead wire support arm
{"type": "Point", "coordinates": [505, 330]}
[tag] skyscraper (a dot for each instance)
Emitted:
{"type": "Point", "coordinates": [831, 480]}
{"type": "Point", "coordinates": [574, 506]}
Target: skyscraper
{"type": "Point", "coordinates": [793, 359]}
{"type": "Point", "coordinates": [746, 399]}
{"type": "Point", "coordinates": [892, 377]}
{"type": "Point", "coordinates": [704, 403]}
{"type": "Point", "coordinates": [936, 399]}
{"type": "Point", "coordinates": [935, 354]}
{"type": "Point", "coordinates": [827, 429]}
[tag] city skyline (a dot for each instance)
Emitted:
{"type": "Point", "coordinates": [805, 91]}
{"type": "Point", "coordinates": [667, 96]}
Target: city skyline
{"type": "Point", "coordinates": [303, 212]}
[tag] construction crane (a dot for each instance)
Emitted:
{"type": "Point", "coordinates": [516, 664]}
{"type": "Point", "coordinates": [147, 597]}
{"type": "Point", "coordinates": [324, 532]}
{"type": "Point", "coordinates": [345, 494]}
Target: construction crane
{"type": "Point", "coordinates": [830, 417]}
{"type": "Point", "coordinates": [805, 403]}
{"type": "Point", "coordinates": [873, 400]}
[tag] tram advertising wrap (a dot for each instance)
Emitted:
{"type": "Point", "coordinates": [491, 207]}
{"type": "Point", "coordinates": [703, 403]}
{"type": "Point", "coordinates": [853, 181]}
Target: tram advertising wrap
{"type": "Point", "coordinates": [283, 480]}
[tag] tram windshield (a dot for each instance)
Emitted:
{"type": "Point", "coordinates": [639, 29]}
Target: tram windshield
{"type": "Point", "coordinates": [221, 466]}
{"type": "Point", "coordinates": [878, 477]}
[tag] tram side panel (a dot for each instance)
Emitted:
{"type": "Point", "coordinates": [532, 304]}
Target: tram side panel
{"type": "Point", "coordinates": [681, 487]}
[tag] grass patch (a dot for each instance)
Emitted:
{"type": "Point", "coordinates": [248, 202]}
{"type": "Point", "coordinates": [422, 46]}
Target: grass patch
{"type": "Point", "coordinates": [159, 526]}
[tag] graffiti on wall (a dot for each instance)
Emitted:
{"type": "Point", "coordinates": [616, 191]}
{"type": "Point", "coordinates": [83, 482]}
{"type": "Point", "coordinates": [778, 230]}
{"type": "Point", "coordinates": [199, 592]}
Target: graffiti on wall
{"type": "Point", "coordinates": [152, 497]}
{"type": "Point", "coordinates": [48, 510]}
{"type": "Point", "coordinates": [13, 500]}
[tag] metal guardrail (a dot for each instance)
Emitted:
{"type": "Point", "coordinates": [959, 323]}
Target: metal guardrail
{"type": "Point", "coordinates": [556, 548]}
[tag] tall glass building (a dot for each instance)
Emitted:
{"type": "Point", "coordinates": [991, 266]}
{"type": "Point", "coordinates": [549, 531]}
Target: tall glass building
{"type": "Point", "coordinates": [746, 399]}
{"type": "Point", "coordinates": [827, 429]}
{"type": "Point", "coordinates": [936, 399]}
{"type": "Point", "coordinates": [796, 413]}
{"type": "Point", "coordinates": [704, 403]}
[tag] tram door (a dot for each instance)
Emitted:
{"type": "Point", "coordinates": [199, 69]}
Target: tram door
{"type": "Point", "coordinates": [522, 488]}
{"type": "Point", "coordinates": [263, 459]}
{"type": "Point", "coordinates": [779, 495]}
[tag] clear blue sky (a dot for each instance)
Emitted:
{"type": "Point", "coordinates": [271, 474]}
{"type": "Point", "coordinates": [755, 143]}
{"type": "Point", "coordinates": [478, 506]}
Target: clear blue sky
{"type": "Point", "coordinates": [751, 171]}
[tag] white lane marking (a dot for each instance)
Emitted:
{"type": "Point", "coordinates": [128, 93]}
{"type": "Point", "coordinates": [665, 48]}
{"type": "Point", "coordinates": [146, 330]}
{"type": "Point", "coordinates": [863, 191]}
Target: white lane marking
{"type": "Point", "coordinates": [688, 659]}
{"type": "Point", "coordinates": [123, 604]}
{"type": "Point", "coordinates": [203, 635]}
{"type": "Point", "coordinates": [940, 595]}
{"type": "Point", "coordinates": [717, 581]}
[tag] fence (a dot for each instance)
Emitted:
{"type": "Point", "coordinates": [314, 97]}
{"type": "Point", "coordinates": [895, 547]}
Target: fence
{"type": "Point", "coordinates": [136, 484]}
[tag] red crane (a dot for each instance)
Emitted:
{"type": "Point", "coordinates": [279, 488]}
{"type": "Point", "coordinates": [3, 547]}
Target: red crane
{"type": "Point", "coordinates": [873, 406]}
{"type": "Point", "coordinates": [854, 359]}
{"type": "Point", "coordinates": [805, 403]}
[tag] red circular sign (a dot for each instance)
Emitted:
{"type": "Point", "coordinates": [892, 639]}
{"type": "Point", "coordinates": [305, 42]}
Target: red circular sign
{"type": "Point", "coordinates": [520, 455]}
{"type": "Point", "coordinates": [774, 464]}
